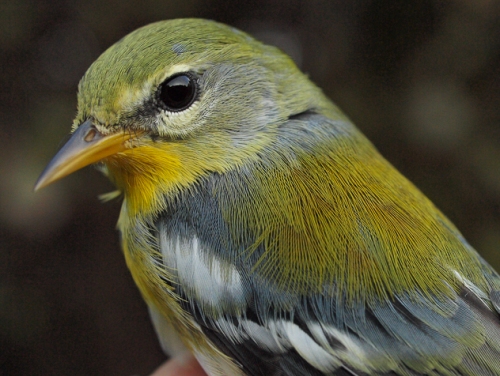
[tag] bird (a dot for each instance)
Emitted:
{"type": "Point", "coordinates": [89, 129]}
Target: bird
{"type": "Point", "coordinates": [265, 232]}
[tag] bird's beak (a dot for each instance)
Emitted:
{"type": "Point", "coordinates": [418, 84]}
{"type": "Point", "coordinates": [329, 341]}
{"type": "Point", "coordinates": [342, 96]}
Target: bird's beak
{"type": "Point", "coordinates": [86, 146]}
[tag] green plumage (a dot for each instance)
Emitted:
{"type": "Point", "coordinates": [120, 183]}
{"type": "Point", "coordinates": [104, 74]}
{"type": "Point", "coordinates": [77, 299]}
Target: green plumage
{"type": "Point", "coordinates": [328, 261]}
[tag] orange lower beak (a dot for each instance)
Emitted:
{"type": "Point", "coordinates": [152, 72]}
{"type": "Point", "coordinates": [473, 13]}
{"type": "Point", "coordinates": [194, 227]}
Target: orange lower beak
{"type": "Point", "coordinates": [86, 146]}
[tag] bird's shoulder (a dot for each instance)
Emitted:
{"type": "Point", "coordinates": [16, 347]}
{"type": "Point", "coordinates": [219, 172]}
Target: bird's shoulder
{"type": "Point", "coordinates": [268, 332]}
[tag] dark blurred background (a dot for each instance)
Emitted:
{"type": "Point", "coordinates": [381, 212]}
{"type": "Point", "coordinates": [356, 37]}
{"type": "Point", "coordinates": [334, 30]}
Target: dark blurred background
{"type": "Point", "coordinates": [421, 78]}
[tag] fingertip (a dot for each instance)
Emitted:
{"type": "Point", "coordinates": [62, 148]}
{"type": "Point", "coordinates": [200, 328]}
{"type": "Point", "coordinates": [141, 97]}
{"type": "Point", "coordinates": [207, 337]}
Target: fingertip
{"type": "Point", "coordinates": [176, 367]}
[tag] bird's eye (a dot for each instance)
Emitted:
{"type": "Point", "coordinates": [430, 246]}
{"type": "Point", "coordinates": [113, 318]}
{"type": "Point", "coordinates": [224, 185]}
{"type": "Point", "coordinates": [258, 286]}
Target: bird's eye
{"type": "Point", "coordinates": [178, 92]}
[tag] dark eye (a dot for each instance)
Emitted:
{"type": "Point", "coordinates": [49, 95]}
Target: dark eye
{"type": "Point", "coordinates": [178, 92]}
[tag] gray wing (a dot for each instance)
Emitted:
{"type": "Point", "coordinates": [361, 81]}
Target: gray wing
{"type": "Point", "coordinates": [454, 335]}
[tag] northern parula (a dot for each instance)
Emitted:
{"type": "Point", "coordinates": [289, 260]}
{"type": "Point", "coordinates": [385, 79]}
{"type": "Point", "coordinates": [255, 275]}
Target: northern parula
{"type": "Point", "coordinates": [265, 232]}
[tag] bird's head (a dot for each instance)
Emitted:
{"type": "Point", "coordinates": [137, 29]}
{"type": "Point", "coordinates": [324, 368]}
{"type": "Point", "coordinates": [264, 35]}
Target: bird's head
{"type": "Point", "coordinates": [175, 100]}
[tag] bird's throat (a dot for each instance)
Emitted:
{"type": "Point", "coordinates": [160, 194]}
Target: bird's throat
{"type": "Point", "coordinates": [146, 173]}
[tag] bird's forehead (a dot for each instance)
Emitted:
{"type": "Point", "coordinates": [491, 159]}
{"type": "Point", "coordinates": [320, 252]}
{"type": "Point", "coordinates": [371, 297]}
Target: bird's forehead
{"type": "Point", "coordinates": [124, 73]}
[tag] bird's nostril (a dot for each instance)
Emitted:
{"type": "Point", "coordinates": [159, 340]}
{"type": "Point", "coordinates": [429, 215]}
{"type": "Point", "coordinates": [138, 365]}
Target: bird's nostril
{"type": "Point", "coordinates": [90, 135]}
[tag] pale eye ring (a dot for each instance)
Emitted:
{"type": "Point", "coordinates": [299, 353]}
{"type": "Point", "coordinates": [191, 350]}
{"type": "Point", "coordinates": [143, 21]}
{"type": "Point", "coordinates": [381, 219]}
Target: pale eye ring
{"type": "Point", "coordinates": [178, 92]}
